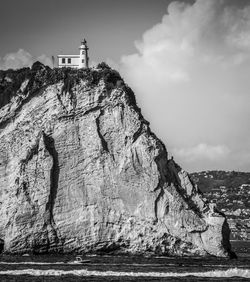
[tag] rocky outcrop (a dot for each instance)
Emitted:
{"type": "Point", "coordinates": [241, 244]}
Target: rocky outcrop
{"type": "Point", "coordinates": [81, 171]}
{"type": "Point", "coordinates": [230, 190]}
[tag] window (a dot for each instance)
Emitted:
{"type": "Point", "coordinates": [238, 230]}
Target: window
{"type": "Point", "coordinates": [82, 61]}
{"type": "Point", "coordinates": [83, 52]}
{"type": "Point", "coordinates": [63, 60]}
{"type": "Point", "coordinates": [69, 61]}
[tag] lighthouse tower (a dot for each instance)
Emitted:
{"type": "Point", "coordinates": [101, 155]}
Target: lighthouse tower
{"type": "Point", "coordinates": [84, 59]}
{"type": "Point", "coordinates": [75, 61]}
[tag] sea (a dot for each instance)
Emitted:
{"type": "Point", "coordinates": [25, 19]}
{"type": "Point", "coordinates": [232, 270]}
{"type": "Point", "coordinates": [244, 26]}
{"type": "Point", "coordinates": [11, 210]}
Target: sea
{"type": "Point", "coordinates": [126, 268]}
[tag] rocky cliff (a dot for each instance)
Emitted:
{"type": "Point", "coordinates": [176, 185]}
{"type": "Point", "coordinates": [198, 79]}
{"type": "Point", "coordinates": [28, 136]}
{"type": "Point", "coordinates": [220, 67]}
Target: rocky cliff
{"type": "Point", "coordinates": [230, 190]}
{"type": "Point", "coordinates": [81, 171]}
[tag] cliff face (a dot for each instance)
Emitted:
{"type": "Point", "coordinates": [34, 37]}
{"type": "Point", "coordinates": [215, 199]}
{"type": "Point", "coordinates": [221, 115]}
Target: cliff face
{"type": "Point", "coordinates": [80, 170]}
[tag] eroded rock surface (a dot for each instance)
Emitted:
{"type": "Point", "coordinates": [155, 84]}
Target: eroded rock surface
{"type": "Point", "coordinates": [81, 171]}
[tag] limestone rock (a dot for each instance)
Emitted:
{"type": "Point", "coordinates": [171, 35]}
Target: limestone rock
{"type": "Point", "coordinates": [80, 170]}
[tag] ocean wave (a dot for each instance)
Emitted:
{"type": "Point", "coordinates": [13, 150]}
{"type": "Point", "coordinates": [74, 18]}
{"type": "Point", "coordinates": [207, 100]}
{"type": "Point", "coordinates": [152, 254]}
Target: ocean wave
{"type": "Point", "coordinates": [30, 262]}
{"type": "Point", "coordinates": [93, 264]}
{"type": "Point", "coordinates": [109, 264]}
{"type": "Point", "coordinates": [232, 272]}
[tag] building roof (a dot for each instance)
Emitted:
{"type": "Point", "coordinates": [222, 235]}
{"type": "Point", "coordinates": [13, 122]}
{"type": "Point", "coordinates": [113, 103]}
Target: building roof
{"type": "Point", "coordinates": [67, 56]}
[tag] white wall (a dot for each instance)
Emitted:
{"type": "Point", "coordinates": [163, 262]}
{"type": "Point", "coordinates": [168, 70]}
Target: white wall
{"type": "Point", "coordinates": [74, 62]}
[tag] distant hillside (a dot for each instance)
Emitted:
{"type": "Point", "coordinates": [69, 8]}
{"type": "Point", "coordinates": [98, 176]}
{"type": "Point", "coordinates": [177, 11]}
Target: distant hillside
{"type": "Point", "coordinates": [208, 180]}
{"type": "Point", "coordinates": [231, 193]}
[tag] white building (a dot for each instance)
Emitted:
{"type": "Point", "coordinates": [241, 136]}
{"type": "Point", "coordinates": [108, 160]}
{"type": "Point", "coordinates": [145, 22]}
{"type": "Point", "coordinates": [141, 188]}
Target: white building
{"type": "Point", "coordinates": [75, 61]}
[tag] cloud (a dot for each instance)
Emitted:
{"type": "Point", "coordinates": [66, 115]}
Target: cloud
{"type": "Point", "coordinates": [191, 76]}
{"type": "Point", "coordinates": [45, 60]}
{"type": "Point", "coordinates": [202, 152]}
{"type": "Point", "coordinates": [21, 59]}
{"type": "Point", "coordinates": [205, 32]}
{"type": "Point", "coordinates": [16, 60]}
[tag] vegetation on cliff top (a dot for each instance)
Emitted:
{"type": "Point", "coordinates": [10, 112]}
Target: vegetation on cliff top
{"type": "Point", "coordinates": [40, 76]}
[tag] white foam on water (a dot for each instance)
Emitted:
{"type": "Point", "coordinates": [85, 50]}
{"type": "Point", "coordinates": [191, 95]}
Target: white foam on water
{"type": "Point", "coordinates": [232, 272]}
{"type": "Point", "coordinates": [74, 262]}
{"type": "Point", "coordinates": [31, 262]}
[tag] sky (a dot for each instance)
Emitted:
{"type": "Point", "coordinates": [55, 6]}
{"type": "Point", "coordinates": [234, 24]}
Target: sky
{"type": "Point", "coordinates": [188, 63]}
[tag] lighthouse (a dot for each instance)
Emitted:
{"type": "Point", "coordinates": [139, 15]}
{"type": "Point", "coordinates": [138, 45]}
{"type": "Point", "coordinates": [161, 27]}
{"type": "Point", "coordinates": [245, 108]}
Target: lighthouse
{"type": "Point", "coordinates": [84, 59]}
{"type": "Point", "coordinates": [75, 61]}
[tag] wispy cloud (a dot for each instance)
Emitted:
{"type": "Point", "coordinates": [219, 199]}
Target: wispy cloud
{"type": "Point", "coordinates": [202, 152]}
{"type": "Point", "coordinates": [21, 59]}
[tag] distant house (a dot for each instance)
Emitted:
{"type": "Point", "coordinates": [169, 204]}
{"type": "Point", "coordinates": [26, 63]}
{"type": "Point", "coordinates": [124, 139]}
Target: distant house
{"type": "Point", "coordinates": [75, 61]}
{"type": "Point", "coordinates": [243, 186]}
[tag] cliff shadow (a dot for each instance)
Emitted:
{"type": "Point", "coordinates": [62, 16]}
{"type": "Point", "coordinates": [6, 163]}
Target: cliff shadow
{"type": "Point", "coordinates": [54, 175]}
{"type": "Point", "coordinates": [1, 245]}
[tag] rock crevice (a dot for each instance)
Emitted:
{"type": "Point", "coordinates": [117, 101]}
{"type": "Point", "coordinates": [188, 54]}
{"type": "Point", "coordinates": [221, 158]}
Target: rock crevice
{"type": "Point", "coordinates": [54, 176]}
